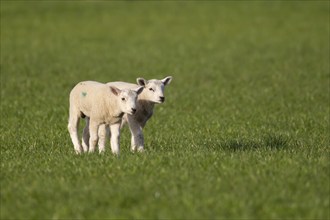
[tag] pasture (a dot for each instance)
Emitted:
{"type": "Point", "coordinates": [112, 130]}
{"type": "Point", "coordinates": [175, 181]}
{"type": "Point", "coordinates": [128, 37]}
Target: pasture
{"type": "Point", "coordinates": [243, 133]}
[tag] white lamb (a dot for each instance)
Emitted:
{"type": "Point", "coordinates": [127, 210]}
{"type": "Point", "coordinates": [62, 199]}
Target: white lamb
{"type": "Point", "coordinates": [102, 105]}
{"type": "Point", "coordinates": [153, 93]}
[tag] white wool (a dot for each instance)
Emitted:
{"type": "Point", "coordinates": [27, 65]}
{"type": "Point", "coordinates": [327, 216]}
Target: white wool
{"type": "Point", "coordinates": [145, 105]}
{"type": "Point", "coordinates": [153, 93]}
{"type": "Point", "coordinates": [101, 104]}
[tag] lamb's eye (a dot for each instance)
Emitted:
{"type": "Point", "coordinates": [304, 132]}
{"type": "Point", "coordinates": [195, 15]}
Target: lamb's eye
{"type": "Point", "coordinates": [123, 99]}
{"type": "Point", "coordinates": [151, 89]}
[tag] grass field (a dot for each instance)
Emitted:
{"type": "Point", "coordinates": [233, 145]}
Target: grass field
{"type": "Point", "coordinates": [244, 132]}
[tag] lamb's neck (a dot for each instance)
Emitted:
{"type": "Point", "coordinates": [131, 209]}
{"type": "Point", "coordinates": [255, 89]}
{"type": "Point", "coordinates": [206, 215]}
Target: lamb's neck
{"type": "Point", "coordinates": [146, 105]}
{"type": "Point", "coordinates": [113, 110]}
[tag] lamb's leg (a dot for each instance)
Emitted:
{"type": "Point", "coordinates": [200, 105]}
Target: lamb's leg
{"type": "Point", "coordinates": [123, 121]}
{"type": "Point", "coordinates": [137, 139]}
{"type": "Point", "coordinates": [73, 130]}
{"type": "Point", "coordinates": [102, 136]}
{"type": "Point", "coordinates": [115, 138]}
{"type": "Point", "coordinates": [93, 130]}
{"type": "Point", "coordinates": [85, 139]}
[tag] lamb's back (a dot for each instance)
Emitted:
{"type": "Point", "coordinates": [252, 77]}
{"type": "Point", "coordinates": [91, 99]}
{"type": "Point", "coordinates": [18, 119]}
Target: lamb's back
{"type": "Point", "coordinates": [124, 85]}
{"type": "Point", "coordinates": [88, 95]}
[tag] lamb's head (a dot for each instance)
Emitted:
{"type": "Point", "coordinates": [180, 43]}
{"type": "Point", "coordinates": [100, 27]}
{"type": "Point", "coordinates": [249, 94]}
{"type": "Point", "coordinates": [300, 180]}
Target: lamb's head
{"type": "Point", "coordinates": [154, 89]}
{"type": "Point", "coordinates": [126, 98]}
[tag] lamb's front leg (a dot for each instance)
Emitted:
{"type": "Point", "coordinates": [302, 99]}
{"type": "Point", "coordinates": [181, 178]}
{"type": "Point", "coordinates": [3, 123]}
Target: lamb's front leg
{"type": "Point", "coordinates": [93, 130]}
{"type": "Point", "coordinates": [102, 136]}
{"type": "Point", "coordinates": [137, 139]}
{"type": "Point", "coordinates": [73, 130]}
{"type": "Point", "coordinates": [115, 138]}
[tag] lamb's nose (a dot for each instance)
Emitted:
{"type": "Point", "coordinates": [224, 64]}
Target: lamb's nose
{"type": "Point", "coordinates": [162, 98]}
{"type": "Point", "coordinates": [134, 110]}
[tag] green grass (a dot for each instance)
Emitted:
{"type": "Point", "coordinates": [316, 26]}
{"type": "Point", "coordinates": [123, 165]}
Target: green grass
{"type": "Point", "coordinates": [244, 132]}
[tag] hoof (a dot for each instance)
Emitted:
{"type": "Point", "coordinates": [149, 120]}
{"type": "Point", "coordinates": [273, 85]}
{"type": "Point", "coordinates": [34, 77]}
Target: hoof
{"type": "Point", "coordinates": [133, 149]}
{"type": "Point", "coordinates": [140, 149]}
{"type": "Point", "coordinates": [116, 154]}
{"type": "Point", "coordinates": [91, 151]}
{"type": "Point", "coordinates": [101, 149]}
{"type": "Point", "coordinates": [85, 147]}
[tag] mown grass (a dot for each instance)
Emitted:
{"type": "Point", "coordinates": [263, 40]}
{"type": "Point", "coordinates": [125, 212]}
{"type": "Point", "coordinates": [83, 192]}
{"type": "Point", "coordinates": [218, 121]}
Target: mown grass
{"type": "Point", "coordinates": [244, 132]}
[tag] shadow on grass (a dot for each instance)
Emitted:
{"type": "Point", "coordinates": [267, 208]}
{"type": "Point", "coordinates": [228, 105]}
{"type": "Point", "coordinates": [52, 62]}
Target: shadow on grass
{"type": "Point", "coordinates": [273, 142]}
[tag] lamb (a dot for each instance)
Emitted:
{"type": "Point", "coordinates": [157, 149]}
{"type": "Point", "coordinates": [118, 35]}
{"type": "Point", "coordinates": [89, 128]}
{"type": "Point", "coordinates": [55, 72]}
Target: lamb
{"type": "Point", "coordinates": [102, 104]}
{"type": "Point", "coordinates": [153, 93]}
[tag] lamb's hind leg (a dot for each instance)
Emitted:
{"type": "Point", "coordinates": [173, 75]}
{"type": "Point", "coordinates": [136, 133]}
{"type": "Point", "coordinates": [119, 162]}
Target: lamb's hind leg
{"type": "Point", "coordinates": [137, 139]}
{"type": "Point", "coordinates": [85, 138]}
{"type": "Point", "coordinates": [73, 130]}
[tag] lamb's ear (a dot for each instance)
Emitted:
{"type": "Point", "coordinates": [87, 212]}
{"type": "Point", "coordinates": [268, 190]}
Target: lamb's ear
{"type": "Point", "coordinates": [139, 90]}
{"type": "Point", "coordinates": [141, 82]}
{"type": "Point", "coordinates": [167, 80]}
{"type": "Point", "coordinates": [115, 90]}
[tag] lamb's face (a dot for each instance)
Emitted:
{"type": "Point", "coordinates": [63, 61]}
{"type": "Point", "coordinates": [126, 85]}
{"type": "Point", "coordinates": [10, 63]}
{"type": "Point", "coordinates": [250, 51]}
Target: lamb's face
{"type": "Point", "coordinates": [154, 89]}
{"type": "Point", "coordinates": [126, 99]}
